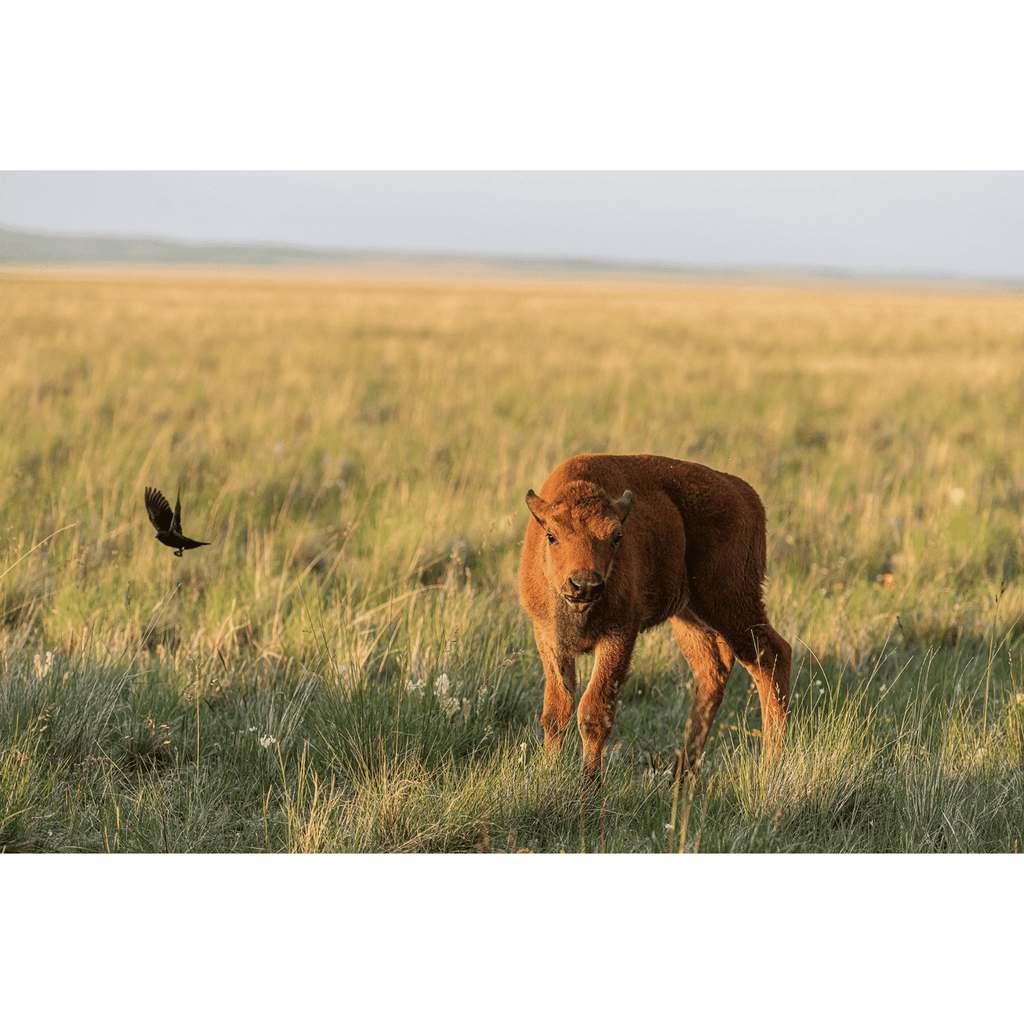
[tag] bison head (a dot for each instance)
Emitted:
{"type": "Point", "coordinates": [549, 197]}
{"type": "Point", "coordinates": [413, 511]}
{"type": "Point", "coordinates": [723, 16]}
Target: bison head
{"type": "Point", "coordinates": [583, 530]}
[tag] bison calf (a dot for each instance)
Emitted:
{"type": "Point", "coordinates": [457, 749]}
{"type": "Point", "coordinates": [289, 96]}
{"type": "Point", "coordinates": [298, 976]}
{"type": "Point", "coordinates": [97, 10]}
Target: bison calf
{"type": "Point", "coordinates": [617, 544]}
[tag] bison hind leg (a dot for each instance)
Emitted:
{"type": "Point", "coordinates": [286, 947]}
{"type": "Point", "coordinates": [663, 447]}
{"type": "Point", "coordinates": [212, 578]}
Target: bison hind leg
{"type": "Point", "coordinates": [711, 661]}
{"type": "Point", "coordinates": [768, 659]}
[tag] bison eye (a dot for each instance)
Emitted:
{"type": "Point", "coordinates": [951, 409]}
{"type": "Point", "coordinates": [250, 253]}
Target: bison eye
{"type": "Point", "coordinates": [551, 538]}
{"type": "Point", "coordinates": [616, 541]}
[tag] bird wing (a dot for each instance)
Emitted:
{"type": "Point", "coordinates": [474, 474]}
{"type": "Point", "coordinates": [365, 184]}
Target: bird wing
{"type": "Point", "coordinates": [158, 508]}
{"type": "Point", "coordinates": [176, 524]}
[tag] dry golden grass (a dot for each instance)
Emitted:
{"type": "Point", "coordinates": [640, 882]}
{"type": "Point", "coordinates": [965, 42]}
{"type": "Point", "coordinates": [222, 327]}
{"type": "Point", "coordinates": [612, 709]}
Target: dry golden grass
{"type": "Point", "coordinates": [355, 429]}
{"type": "Point", "coordinates": [346, 666]}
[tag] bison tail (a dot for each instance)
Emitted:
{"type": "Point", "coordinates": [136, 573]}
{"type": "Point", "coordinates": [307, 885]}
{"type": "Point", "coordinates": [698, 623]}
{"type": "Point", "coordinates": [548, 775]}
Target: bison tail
{"type": "Point", "coordinates": [757, 553]}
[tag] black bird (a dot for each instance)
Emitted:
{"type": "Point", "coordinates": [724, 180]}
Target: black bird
{"type": "Point", "coordinates": [168, 523]}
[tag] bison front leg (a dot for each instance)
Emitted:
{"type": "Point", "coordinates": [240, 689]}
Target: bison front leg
{"type": "Point", "coordinates": [559, 693]}
{"type": "Point", "coordinates": [596, 713]}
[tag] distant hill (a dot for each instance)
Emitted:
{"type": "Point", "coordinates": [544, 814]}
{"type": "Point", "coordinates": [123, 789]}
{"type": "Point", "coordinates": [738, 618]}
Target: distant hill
{"type": "Point", "coordinates": [31, 248]}
{"type": "Point", "coordinates": [26, 248]}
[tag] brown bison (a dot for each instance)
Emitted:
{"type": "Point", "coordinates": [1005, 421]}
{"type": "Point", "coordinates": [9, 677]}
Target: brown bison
{"type": "Point", "coordinates": [620, 543]}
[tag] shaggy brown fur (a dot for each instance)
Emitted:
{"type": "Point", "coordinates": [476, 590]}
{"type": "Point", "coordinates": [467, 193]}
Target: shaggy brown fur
{"type": "Point", "coordinates": [681, 542]}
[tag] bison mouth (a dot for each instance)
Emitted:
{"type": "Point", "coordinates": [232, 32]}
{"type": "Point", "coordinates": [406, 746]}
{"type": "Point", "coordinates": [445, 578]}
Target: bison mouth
{"type": "Point", "coordinates": [580, 595]}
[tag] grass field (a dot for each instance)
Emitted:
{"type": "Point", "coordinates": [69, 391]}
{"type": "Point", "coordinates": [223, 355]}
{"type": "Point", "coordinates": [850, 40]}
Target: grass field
{"type": "Point", "coordinates": [346, 667]}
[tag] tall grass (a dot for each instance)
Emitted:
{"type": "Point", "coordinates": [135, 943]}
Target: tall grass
{"type": "Point", "coordinates": [346, 667]}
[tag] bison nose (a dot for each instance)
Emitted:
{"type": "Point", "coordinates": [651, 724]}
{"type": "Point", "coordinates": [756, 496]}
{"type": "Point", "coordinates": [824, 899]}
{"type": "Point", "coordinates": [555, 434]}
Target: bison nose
{"type": "Point", "coordinates": [584, 589]}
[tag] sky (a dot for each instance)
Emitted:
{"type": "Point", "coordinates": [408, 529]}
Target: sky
{"type": "Point", "coordinates": [965, 224]}
{"type": "Point", "coordinates": [876, 138]}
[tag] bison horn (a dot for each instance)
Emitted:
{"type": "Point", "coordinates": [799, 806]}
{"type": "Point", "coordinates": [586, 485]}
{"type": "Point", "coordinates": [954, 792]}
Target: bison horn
{"type": "Point", "coordinates": [624, 505]}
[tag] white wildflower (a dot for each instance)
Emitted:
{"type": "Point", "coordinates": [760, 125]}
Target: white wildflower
{"type": "Point", "coordinates": [452, 705]}
{"type": "Point", "coordinates": [267, 741]}
{"type": "Point", "coordinates": [442, 690]}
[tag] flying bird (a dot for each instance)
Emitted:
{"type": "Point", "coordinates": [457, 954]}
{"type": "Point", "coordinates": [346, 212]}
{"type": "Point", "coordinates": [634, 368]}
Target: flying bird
{"type": "Point", "coordinates": [168, 523]}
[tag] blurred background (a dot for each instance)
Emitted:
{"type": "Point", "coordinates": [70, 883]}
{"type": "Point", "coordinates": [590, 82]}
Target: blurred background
{"type": "Point", "coordinates": [938, 224]}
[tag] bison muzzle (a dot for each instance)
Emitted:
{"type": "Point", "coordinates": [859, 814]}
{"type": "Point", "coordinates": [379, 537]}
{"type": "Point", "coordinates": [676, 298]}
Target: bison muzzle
{"type": "Point", "coordinates": [617, 544]}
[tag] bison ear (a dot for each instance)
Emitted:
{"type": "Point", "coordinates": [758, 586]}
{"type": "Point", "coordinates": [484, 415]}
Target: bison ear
{"type": "Point", "coordinates": [536, 504]}
{"type": "Point", "coordinates": [624, 505]}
